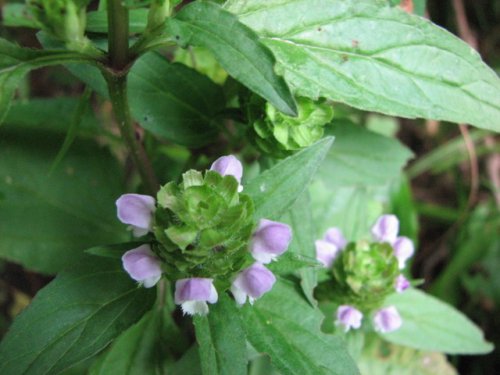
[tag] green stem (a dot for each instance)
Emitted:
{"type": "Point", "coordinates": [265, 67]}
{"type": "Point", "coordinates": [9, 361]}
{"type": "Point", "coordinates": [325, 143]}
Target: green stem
{"type": "Point", "coordinates": [117, 86]}
{"type": "Point", "coordinates": [118, 34]}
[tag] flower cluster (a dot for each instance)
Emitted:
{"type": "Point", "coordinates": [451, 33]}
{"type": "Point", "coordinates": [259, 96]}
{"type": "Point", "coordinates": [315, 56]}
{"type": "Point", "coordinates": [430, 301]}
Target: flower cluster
{"type": "Point", "coordinates": [365, 273]}
{"type": "Point", "coordinates": [204, 238]}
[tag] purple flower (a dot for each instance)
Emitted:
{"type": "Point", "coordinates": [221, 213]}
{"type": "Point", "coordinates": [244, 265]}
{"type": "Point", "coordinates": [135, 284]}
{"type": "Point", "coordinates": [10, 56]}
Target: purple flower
{"type": "Point", "coordinates": [349, 317]}
{"type": "Point", "coordinates": [137, 211]}
{"type": "Point", "coordinates": [194, 293]}
{"type": "Point", "coordinates": [142, 265]}
{"type": "Point", "coordinates": [252, 282]}
{"type": "Point", "coordinates": [335, 236]}
{"type": "Point", "coordinates": [403, 249]}
{"type": "Point", "coordinates": [387, 320]}
{"type": "Point", "coordinates": [270, 240]}
{"type": "Point", "coordinates": [386, 229]}
{"type": "Point", "coordinates": [326, 252]}
{"type": "Point", "coordinates": [401, 284]}
{"type": "Point", "coordinates": [229, 165]}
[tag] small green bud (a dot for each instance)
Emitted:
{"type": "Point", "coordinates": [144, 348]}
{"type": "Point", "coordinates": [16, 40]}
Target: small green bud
{"type": "Point", "coordinates": [279, 135]}
{"type": "Point", "coordinates": [364, 274]}
{"type": "Point", "coordinates": [203, 227]}
{"type": "Point", "coordinates": [203, 61]}
{"type": "Point", "coordinates": [159, 11]}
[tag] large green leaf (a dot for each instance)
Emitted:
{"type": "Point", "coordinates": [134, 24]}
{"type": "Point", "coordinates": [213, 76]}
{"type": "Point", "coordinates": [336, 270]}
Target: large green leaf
{"type": "Point", "coordinates": [430, 324]}
{"type": "Point", "coordinates": [284, 326]}
{"type": "Point", "coordinates": [375, 57]}
{"type": "Point", "coordinates": [73, 318]}
{"type": "Point", "coordinates": [46, 221]}
{"type": "Point", "coordinates": [174, 101]}
{"type": "Point", "coordinates": [275, 190]}
{"type": "Point", "coordinates": [16, 62]}
{"type": "Point", "coordinates": [236, 47]}
{"type": "Point", "coordinates": [221, 339]}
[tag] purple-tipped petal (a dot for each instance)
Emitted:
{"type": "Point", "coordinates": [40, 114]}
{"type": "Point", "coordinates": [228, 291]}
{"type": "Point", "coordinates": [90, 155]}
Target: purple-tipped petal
{"type": "Point", "coordinates": [270, 240]}
{"type": "Point", "coordinates": [194, 293]}
{"type": "Point", "coordinates": [252, 282]}
{"type": "Point", "coordinates": [335, 236]}
{"type": "Point", "coordinates": [401, 284]}
{"type": "Point", "coordinates": [137, 211]}
{"type": "Point", "coordinates": [403, 250]}
{"type": "Point", "coordinates": [387, 320]}
{"type": "Point", "coordinates": [349, 317]}
{"type": "Point", "coordinates": [386, 229]}
{"type": "Point", "coordinates": [228, 165]}
{"type": "Point", "coordinates": [142, 265]}
{"type": "Point", "coordinates": [326, 252]}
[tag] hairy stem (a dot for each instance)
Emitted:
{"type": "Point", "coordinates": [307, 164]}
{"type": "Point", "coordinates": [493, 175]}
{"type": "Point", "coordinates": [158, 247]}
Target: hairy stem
{"type": "Point", "coordinates": [118, 34]}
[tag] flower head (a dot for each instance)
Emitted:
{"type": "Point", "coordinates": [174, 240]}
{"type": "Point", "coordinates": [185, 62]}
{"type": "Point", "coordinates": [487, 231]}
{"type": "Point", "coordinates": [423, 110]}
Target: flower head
{"type": "Point", "coordinates": [348, 317]}
{"type": "Point", "coordinates": [403, 249]}
{"type": "Point", "coordinates": [142, 265]}
{"type": "Point", "coordinates": [387, 320]}
{"type": "Point", "coordinates": [270, 240]}
{"type": "Point", "coordinates": [386, 229]}
{"type": "Point", "coordinates": [194, 293]}
{"type": "Point", "coordinates": [335, 236]}
{"type": "Point", "coordinates": [401, 284]}
{"type": "Point", "coordinates": [229, 165]}
{"type": "Point", "coordinates": [137, 211]}
{"type": "Point", "coordinates": [252, 282]}
{"type": "Point", "coordinates": [326, 252]}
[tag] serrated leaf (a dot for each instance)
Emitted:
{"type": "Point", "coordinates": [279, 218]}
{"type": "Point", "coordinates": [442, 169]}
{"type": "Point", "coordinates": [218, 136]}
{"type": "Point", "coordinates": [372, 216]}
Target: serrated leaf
{"type": "Point", "coordinates": [275, 190]}
{"type": "Point", "coordinates": [375, 57]}
{"type": "Point", "coordinates": [236, 47]}
{"type": "Point", "coordinates": [284, 326]}
{"type": "Point", "coordinates": [221, 339]}
{"type": "Point", "coordinates": [174, 101]}
{"type": "Point", "coordinates": [73, 318]}
{"type": "Point", "coordinates": [430, 324]}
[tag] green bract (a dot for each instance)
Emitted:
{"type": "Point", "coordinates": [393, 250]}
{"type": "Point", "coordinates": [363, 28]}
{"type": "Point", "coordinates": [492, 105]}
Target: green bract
{"type": "Point", "coordinates": [203, 227]}
{"type": "Point", "coordinates": [364, 274]}
{"type": "Point", "coordinates": [279, 135]}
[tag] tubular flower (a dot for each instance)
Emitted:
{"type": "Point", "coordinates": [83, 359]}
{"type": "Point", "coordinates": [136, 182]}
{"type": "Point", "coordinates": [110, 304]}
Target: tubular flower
{"type": "Point", "coordinates": [137, 211]}
{"type": "Point", "coordinates": [348, 317]}
{"type": "Point", "coordinates": [194, 293]}
{"type": "Point", "coordinates": [386, 229]}
{"type": "Point", "coordinates": [229, 166]}
{"type": "Point", "coordinates": [401, 284]}
{"type": "Point", "coordinates": [252, 283]}
{"type": "Point", "coordinates": [334, 235]}
{"type": "Point", "coordinates": [387, 320]}
{"type": "Point", "coordinates": [403, 250]}
{"type": "Point", "coordinates": [142, 265]}
{"type": "Point", "coordinates": [270, 240]}
{"type": "Point", "coordinates": [326, 252]}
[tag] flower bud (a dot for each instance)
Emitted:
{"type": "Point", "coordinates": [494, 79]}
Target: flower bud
{"type": "Point", "coordinates": [252, 282]}
{"type": "Point", "coordinates": [348, 317]}
{"type": "Point", "coordinates": [386, 229]}
{"type": "Point", "coordinates": [194, 293]}
{"type": "Point", "coordinates": [403, 250]}
{"type": "Point", "coordinates": [387, 320]}
{"type": "Point", "coordinates": [334, 235]}
{"type": "Point", "coordinates": [229, 166]}
{"type": "Point", "coordinates": [137, 211]}
{"type": "Point", "coordinates": [326, 252]}
{"type": "Point", "coordinates": [401, 284]}
{"type": "Point", "coordinates": [142, 265]}
{"type": "Point", "coordinates": [270, 240]}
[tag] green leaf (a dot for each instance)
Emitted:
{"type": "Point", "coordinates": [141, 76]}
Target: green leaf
{"type": "Point", "coordinates": [16, 62]}
{"type": "Point", "coordinates": [47, 221]}
{"type": "Point", "coordinates": [73, 318]}
{"type": "Point", "coordinates": [236, 47]}
{"type": "Point", "coordinates": [174, 101]}
{"type": "Point", "coordinates": [221, 339]}
{"type": "Point", "coordinates": [137, 351]}
{"type": "Point", "coordinates": [275, 190]}
{"type": "Point", "coordinates": [375, 57]}
{"type": "Point", "coordinates": [284, 326]}
{"type": "Point", "coordinates": [362, 157]}
{"type": "Point", "coordinates": [114, 251]}
{"type": "Point", "coordinates": [430, 324]}
{"type": "Point", "coordinates": [17, 15]}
